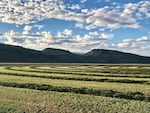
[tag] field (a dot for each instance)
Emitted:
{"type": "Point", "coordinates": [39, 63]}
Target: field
{"type": "Point", "coordinates": [74, 88]}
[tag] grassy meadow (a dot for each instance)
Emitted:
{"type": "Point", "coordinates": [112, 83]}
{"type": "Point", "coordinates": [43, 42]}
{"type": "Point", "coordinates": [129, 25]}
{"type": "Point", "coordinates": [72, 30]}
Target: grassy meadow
{"type": "Point", "coordinates": [74, 88]}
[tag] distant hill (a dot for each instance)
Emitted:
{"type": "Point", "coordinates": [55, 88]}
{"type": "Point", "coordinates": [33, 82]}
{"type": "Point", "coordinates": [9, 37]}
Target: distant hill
{"type": "Point", "coordinates": [17, 54]}
{"type": "Point", "coordinates": [62, 55]}
{"type": "Point", "coordinates": [9, 53]}
{"type": "Point", "coordinates": [53, 51]}
{"type": "Point", "coordinates": [112, 56]}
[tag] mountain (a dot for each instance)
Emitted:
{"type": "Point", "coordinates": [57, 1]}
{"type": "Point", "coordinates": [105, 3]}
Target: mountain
{"type": "Point", "coordinates": [53, 51]}
{"type": "Point", "coordinates": [112, 56]}
{"type": "Point", "coordinates": [9, 53]}
{"type": "Point", "coordinates": [17, 54]}
{"type": "Point", "coordinates": [62, 55]}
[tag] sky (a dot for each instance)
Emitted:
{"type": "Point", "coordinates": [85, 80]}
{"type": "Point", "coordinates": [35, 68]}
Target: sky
{"type": "Point", "coordinates": [77, 25]}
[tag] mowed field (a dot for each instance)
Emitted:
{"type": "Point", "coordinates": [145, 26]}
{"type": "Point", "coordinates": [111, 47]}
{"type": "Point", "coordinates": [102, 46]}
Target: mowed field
{"type": "Point", "coordinates": [74, 88]}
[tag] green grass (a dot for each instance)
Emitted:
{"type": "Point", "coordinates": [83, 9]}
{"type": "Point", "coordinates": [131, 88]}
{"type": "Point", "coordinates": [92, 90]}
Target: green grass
{"type": "Point", "coordinates": [78, 72]}
{"type": "Point", "coordinates": [39, 88]}
{"type": "Point", "coordinates": [81, 78]}
{"type": "Point", "coordinates": [79, 84]}
{"type": "Point", "coordinates": [107, 93]}
{"type": "Point", "coordinates": [9, 107]}
{"type": "Point", "coordinates": [33, 101]}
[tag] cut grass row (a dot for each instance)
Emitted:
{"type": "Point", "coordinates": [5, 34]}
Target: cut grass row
{"type": "Point", "coordinates": [34, 101]}
{"type": "Point", "coordinates": [74, 76]}
{"type": "Point", "coordinates": [90, 66]}
{"type": "Point", "coordinates": [101, 79]}
{"type": "Point", "coordinates": [122, 87]}
{"type": "Point", "coordinates": [74, 73]}
{"type": "Point", "coordinates": [125, 70]}
{"type": "Point", "coordinates": [106, 93]}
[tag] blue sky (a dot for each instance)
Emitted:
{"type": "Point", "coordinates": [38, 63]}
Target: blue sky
{"type": "Point", "coordinates": [77, 25]}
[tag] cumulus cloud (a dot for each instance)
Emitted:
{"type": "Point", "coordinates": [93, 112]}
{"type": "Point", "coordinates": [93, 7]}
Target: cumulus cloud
{"type": "Point", "coordinates": [39, 27]}
{"type": "Point", "coordinates": [130, 44]}
{"type": "Point", "coordinates": [83, 1]}
{"type": "Point", "coordinates": [34, 40]}
{"type": "Point", "coordinates": [95, 33]}
{"type": "Point", "coordinates": [29, 11]}
{"type": "Point", "coordinates": [67, 32]}
{"type": "Point", "coordinates": [105, 17]}
{"type": "Point", "coordinates": [10, 35]}
{"type": "Point", "coordinates": [107, 36]}
{"type": "Point", "coordinates": [103, 36]}
{"type": "Point", "coordinates": [125, 16]}
{"type": "Point", "coordinates": [76, 6]}
{"type": "Point", "coordinates": [26, 29]}
{"type": "Point", "coordinates": [43, 39]}
{"type": "Point", "coordinates": [136, 46]}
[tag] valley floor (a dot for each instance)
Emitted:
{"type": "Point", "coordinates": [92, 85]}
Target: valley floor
{"type": "Point", "coordinates": [84, 88]}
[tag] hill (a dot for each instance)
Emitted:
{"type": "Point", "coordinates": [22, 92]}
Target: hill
{"type": "Point", "coordinates": [112, 56]}
{"type": "Point", "coordinates": [17, 54]}
{"type": "Point", "coordinates": [9, 53]}
{"type": "Point", "coordinates": [62, 56]}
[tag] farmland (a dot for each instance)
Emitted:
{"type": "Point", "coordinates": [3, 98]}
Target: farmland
{"type": "Point", "coordinates": [74, 88]}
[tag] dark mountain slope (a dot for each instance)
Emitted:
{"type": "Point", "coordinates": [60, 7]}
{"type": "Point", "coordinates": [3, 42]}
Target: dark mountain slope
{"type": "Point", "coordinates": [53, 51]}
{"type": "Point", "coordinates": [9, 53]}
{"type": "Point", "coordinates": [112, 56]}
{"type": "Point", "coordinates": [62, 55]}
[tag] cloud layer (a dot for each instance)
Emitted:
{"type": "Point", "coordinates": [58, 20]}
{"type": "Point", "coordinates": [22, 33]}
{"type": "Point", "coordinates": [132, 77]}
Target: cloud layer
{"type": "Point", "coordinates": [30, 11]}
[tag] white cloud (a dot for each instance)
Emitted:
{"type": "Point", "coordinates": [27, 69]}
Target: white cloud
{"type": "Point", "coordinates": [79, 25]}
{"type": "Point", "coordinates": [103, 36]}
{"type": "Point", "coordinates": [95, 33]}
{"type": "Point", "coordinates": [67, 32]}
{"type": "Point", "coordinates": [123, 44]}
{"type": "Point", "coordinates": [133, 44]}
{"type": "Point", "coordinates": [29, 11]}
{"type": "Point", "coordinates": [42, 40]}
{"type": "Point", "coordinates": [84, 10]}
{"type": "Point", "coordinates": [125, 16]}
{"type": "Point", "coordinates": [83, 1]}
{"type": "Point", "coordinates": [137, 46]}
{"type": "Point", "coordinates": [39, 27]}
{"type": "Point", "coordinates": [144, 38]}
{"type": "Point", "coordinates": [90, 26]}
{"type": "Point", "coordinates": [107, 36]}
{"type": "Point", "coordinates": [76, 6]}
{"type": "Point", "coordinates": [87, 27]}
{"type": "Point", "coordinates": [36, 41]}
{"type": "Point", "coordinates": [144, 8]}
{"type": "Point", "coordinates": [26, 29]}
{"type": "Point", "coordinates": [140, 9]}
{"type": "Point", "coordinates": [24, 12]}
{"type": "Point", "coordinates": [104, 17]}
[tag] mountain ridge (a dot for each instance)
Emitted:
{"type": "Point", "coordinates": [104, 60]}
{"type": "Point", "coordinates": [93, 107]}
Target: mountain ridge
{"type": "Point", "coordinates": [114, 56]}
{"type": "Point", "coordinates": [18, 54]}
